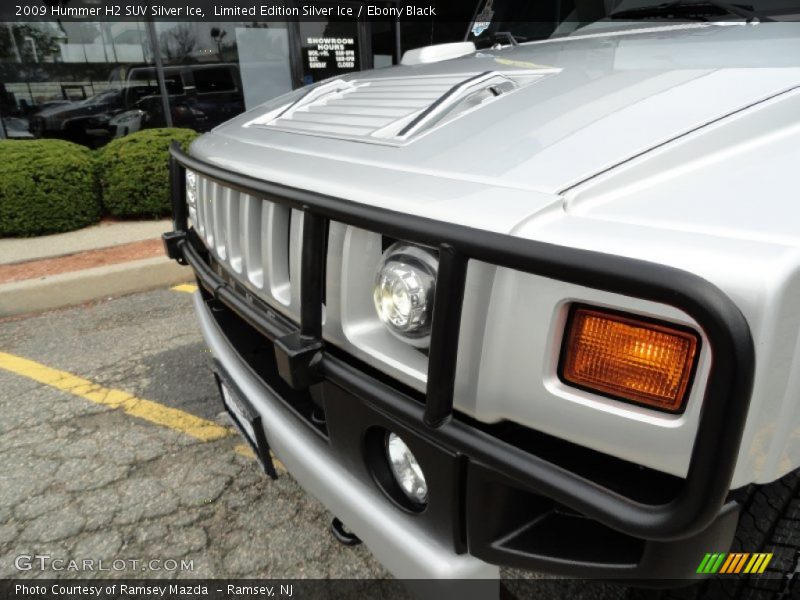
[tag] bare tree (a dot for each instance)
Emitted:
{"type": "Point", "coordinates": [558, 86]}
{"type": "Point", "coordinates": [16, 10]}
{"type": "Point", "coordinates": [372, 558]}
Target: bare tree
{"type": "Point", "coordinates": [28, 42]}
{"type": "Point", "coordinates": [178, 43]}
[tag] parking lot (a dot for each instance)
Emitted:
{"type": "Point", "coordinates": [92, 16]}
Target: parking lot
{"type": "Point", "coordinates": [115, 450]}
{"type": "Point", "coordinates": [91, 470]}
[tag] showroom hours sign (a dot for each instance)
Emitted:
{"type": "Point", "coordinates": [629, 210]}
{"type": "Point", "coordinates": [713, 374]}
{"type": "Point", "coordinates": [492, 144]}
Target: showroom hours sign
{"type": "Point", "coordinates": [329, 52]}
{"type": "Point", "coordinates": [324, 51]}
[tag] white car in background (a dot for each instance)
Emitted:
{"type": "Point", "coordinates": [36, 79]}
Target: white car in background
{"type": "Point", "coordinates": [535, 306]}
{"type": "Point", "coordinates": [15, 128]}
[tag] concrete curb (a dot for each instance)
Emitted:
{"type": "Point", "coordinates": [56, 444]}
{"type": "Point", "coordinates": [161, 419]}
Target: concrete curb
{"type": "Point", "coordinates": [94, 237]}
{"type": "Point", "coordinates": [76, 287]}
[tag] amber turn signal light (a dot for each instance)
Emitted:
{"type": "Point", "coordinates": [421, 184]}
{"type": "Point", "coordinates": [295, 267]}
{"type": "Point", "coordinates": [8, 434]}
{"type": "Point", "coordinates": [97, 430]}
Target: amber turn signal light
{"type": "Point", "coordinates": [629, 358]}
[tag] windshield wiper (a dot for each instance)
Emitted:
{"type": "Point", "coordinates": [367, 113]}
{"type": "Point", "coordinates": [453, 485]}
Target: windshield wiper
{"type": "Point", "coordinates": [689, 8]}
{"type": "Point", "coordinates": [513, 40]}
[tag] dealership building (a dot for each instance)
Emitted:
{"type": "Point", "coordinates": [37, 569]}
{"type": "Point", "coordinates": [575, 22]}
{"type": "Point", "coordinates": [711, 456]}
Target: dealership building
{"type": "Point", "coordinates": [89, 81]}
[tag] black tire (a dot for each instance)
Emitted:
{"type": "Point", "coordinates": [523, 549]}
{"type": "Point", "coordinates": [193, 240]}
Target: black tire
{"type": "Point", "coordinates": [769, 522]}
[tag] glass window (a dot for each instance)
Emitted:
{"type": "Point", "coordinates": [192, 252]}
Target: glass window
{"type": "Point", "coordinates": [328, 49]}
{"type": "Point", "coordinates": [66, 79]}
{"type": "Point", "coordinates": [214, 79]}
{"type": "Point", "coordinates": [145, 79]}
{"type": "Point", "coordinates": [226, 67]}
{"type": "Point", "coordinates": [89, 82]}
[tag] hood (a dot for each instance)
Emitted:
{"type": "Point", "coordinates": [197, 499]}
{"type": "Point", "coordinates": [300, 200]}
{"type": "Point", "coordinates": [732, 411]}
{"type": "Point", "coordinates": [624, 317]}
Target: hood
{"type": "Point", "coordinates": [60, 109]}
{"type": "Point", "coordinates": [541, 116]}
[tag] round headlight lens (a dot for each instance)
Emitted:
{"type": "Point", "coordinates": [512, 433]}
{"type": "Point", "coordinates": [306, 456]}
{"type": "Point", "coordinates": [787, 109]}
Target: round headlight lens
{"type": "Point", "coordinates": [404, 287]}
{"type": "Point", "coordinates": [191, 187]}
{"type": "Point", "coordinates": [406, 469]}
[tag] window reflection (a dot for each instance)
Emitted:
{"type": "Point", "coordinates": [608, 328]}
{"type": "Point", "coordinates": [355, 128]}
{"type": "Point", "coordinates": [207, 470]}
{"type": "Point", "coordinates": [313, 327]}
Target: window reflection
{"type": "Point", "coordinates": [89, 82]}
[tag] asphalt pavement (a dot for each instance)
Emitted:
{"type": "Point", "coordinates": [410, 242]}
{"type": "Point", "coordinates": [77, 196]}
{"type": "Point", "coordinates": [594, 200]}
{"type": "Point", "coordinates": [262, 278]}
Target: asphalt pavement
{"type": "Point", "coordinates": [116, 459]}
{"type": "Point", "coordinates": [84, 480]}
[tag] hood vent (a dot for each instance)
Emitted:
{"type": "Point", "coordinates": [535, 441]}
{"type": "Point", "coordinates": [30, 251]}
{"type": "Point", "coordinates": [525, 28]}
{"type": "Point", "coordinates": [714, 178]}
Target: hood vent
{"type": "Point", "coordinates": [391, 110]}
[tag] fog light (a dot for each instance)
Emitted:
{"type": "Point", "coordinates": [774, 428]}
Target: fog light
{"type": "Point", "coordinates": [406, 469]}
{"type": "Point", "coordinates": [403, 295]}
{"type": "Point", "coordinates": [630, 358]}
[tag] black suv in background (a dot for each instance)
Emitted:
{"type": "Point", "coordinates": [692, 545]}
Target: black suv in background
{"type": "Point", "coordinates": [200, 97]}
{"type": "Point", "coordinates": [78, 120]}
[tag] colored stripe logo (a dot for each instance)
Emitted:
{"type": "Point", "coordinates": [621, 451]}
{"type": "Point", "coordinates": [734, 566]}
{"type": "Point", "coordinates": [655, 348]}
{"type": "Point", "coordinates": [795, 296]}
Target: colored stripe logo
{"type": "Point", "coordinates": [734, 563]}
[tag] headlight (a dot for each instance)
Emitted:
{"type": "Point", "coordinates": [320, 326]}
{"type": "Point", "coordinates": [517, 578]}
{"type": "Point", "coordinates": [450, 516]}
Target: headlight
{"type": "Point", "coordinates": [128, 117]}
{"type": "Point", "coordinates": [406, 469]}
{"type": "Point", "coordinates": [404, 286]}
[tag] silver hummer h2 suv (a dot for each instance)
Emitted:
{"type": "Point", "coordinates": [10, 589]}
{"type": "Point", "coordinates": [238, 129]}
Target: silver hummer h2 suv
{"type": "Point", "coordinates": [536, 305]}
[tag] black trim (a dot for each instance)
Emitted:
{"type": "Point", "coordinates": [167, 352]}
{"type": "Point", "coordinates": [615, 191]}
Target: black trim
{"type": "Point", "coordinates": [445, 326]}
{"type": "Point", "coordinates": [177, 177]}
{"type": "Point", "coordinates": [259, 445]}
{"type": "Point", "coordinates": [634, 317]}
{"type": "Point", "coordinates": [342, 535]}
{"type": "Point", "coordinates": [728, 391]}
{"type": "Point", "coordinates": [297, 356]}
{"type": "Point", "coordinates": [312, 275]}
{"type": "Point", "coordinates": [257, 354]}
{"type": "Point", "coordinates": [171, 241]}
{"type": "Point", "coordinates": [476, 509]}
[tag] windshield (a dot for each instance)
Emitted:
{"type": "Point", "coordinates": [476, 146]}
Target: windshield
{"type": "Point", "coordinates": [510, 21]}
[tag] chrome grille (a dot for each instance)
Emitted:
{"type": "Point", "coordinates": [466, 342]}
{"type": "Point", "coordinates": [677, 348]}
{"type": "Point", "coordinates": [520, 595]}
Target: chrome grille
{"type": "Point", "coordinates": [259, 244]}
{"type": "Point", "coordinates": [247, 235]}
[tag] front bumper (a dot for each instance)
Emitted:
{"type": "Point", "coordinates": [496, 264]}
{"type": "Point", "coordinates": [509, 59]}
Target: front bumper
{"type": "Point", "coordinates": [508, 497]}
{"type": "Point", "coordinates": [396, 538]}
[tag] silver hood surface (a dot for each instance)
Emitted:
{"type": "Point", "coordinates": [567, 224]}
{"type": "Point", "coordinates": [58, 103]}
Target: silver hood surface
{"type": "Point", "coordinates": [685, 140]}
{"type": "Point", "coordinates": [586, 104]}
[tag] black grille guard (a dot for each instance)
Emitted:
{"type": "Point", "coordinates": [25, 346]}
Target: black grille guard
{"type": "Point", "coordinates": [728, 391]}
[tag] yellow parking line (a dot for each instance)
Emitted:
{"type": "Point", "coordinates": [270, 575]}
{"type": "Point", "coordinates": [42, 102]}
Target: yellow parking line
{"type": "Point", "coordinates": [247, 451]}
{"type": "Point", "coordinates": [178, 420]}
{"type": "Point", "coordinates": [189, 288]}
{"type": "Point", "coordinates": [148, 410]}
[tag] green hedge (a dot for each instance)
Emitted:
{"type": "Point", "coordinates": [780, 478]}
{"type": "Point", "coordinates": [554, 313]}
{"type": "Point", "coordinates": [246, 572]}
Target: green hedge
{"type": "Point", "coordinates": [134, 172]}
{"type": "Point", "coordinates": [46, 186]}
